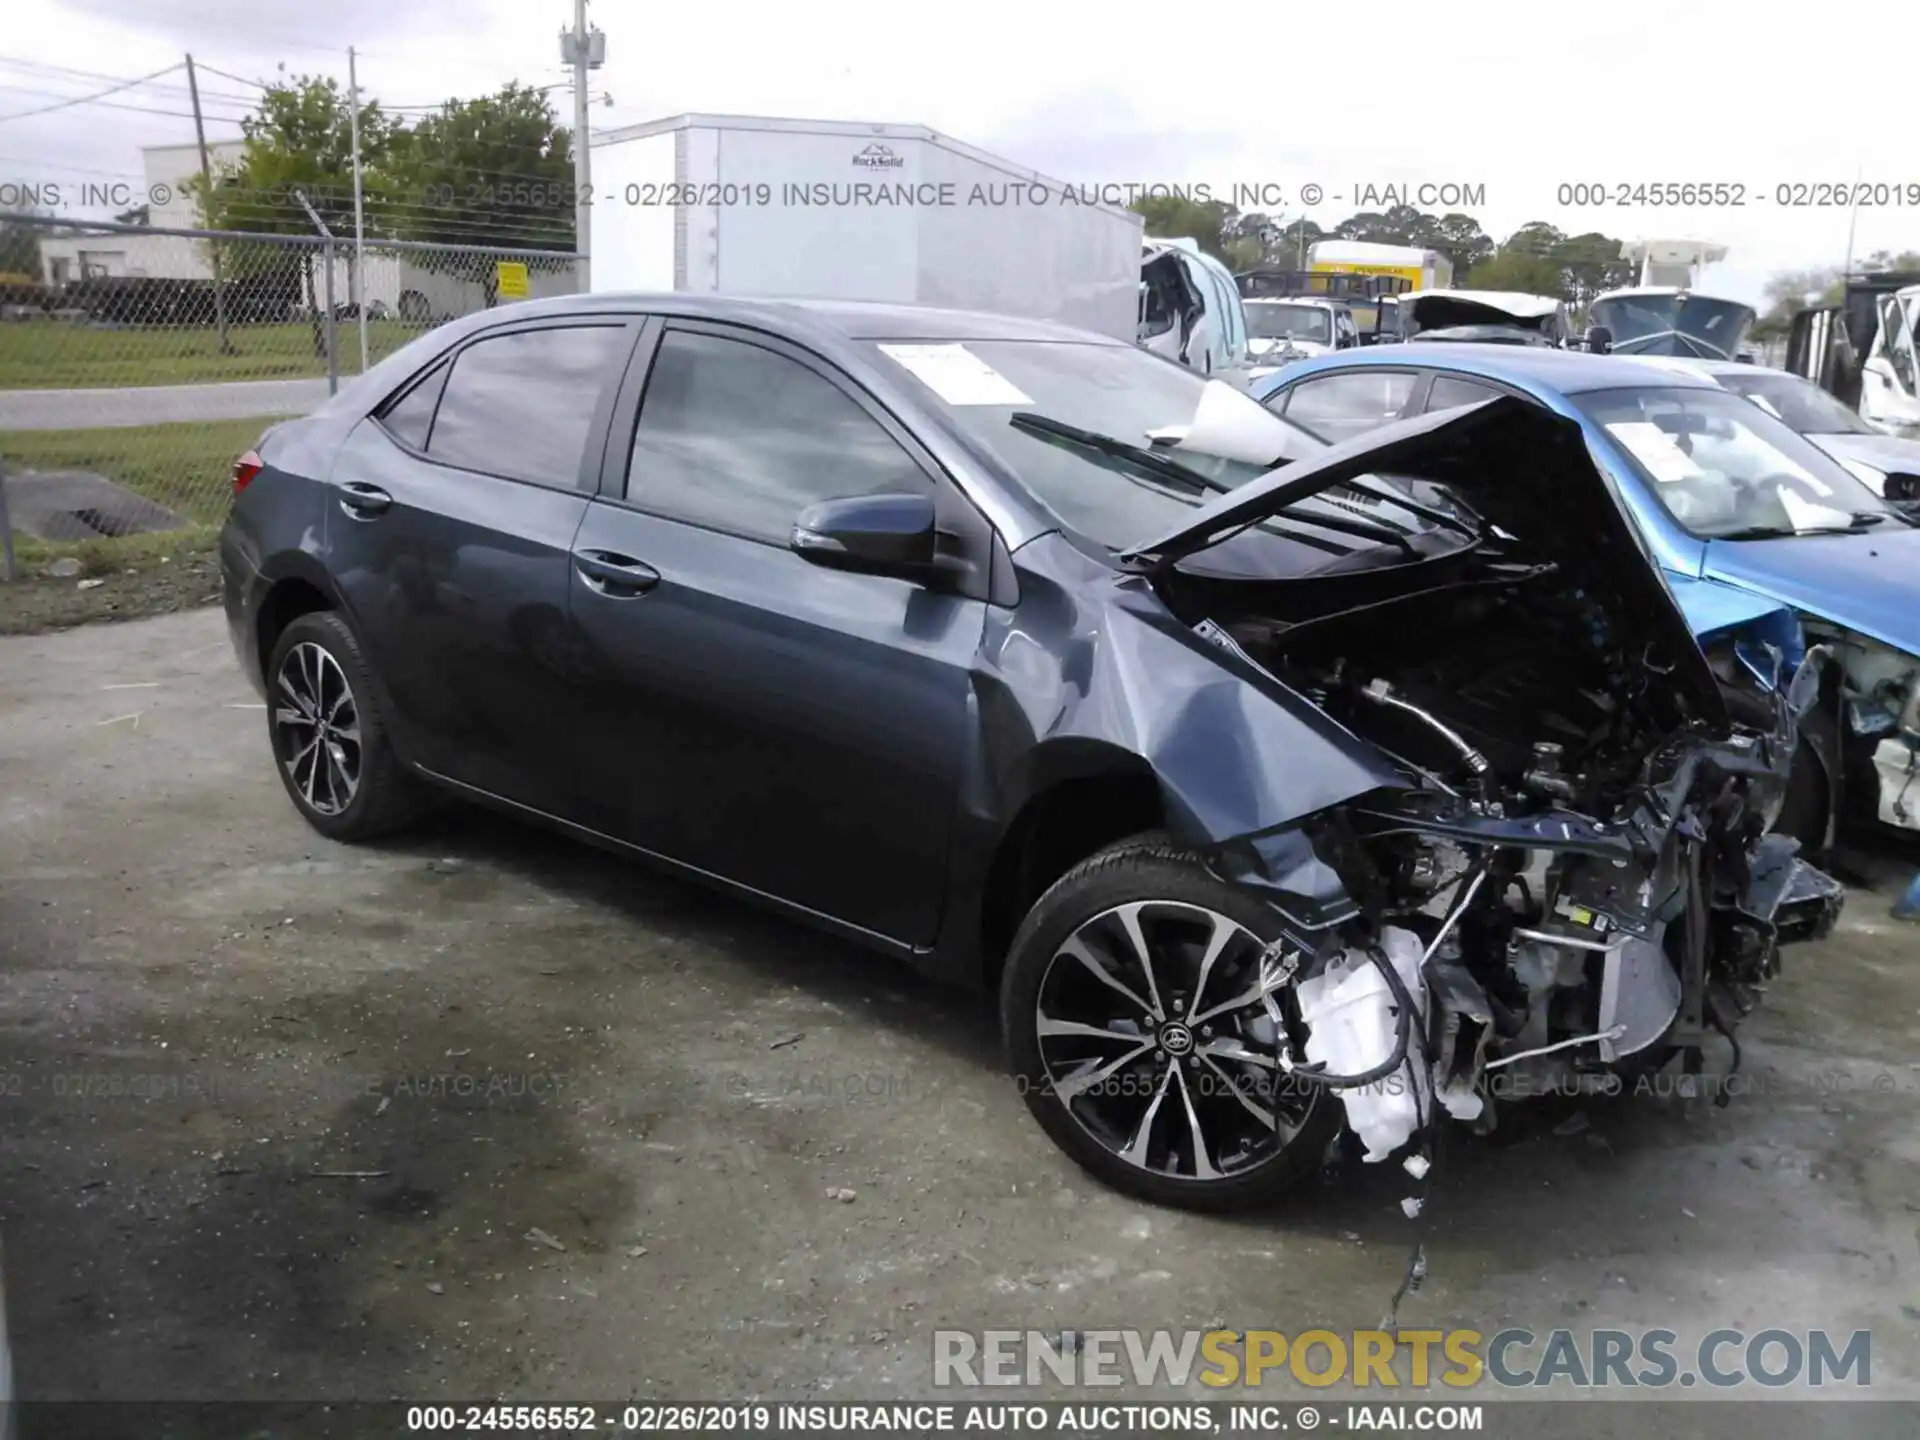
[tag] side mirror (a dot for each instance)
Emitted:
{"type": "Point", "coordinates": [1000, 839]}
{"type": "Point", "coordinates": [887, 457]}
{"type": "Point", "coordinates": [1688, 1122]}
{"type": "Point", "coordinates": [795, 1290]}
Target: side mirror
{"type": "Point", "coordinates": [1599, 339]}
{"type": "Point", "coordinates": [870, 535]}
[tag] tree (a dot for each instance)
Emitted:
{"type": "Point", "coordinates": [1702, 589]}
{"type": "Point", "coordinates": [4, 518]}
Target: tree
{"type": "Point", "coordinates": [1517, 269]}
{"type": "Point", "coordinates": [1291, 242]}
{"type": "Point", "coordinates": [1460, 238]}
{"type": "Point", "coordinates": [1173, 217]}
{"type": "Point", "coordinates": [494, 171]}
{"type": "Point", "coordinates": [19, 252]}
{"type": "Point", "coordinates": [1905, 260]}
{"type": "Point", "coordinates": [1789, 291]}
{"type": "Point", "coordinates": [1397, 225]}
{"type": "Point", "coordinates": [299, 142]}
{"type": "Point", "coordinates": [1591, 265]}
{"type": "Point", "coordinates": [497, 170]}
{"type": "Point", "coordinates": [1536, 237]}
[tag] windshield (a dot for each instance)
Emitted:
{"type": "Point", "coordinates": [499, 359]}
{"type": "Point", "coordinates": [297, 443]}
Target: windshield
{"type": "Point", "coordinates": [1268, 321]}
{"type": "Point", "coordinates": [1116, 392]}
{"type": "Point", "coordinates": [1801, 403]}
{"type": "Point", "coordinates": [1673, 324]}
{"type": "Point", "coordinates": [1724, 468]}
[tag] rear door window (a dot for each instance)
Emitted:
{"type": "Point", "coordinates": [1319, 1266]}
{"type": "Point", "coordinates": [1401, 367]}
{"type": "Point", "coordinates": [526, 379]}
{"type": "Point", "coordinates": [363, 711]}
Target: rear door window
{"type": "Point", "coordinates": [1452, 393]}
{"type": "Point", "coordinates": [1338, 407]}
{"type": "Point", "coordinates": [408, 417]}
{"type": "Point", "coordinates": [520, 405]}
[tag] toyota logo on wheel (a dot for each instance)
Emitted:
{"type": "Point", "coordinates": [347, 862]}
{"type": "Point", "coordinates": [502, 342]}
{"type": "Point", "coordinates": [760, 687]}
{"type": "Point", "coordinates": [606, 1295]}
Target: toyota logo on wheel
{"type": "Point", "coordinates": [1176, 1039]}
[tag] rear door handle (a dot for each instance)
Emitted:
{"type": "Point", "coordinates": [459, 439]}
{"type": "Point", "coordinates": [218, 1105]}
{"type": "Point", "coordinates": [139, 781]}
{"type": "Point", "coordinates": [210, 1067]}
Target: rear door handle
{"type": "Point", "coordinates": [619, 576]}
{"type": "Point", "coordinates": [363, 501]}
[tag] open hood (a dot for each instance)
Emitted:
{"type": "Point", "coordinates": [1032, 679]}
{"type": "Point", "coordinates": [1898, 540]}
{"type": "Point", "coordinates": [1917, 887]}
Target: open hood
{"type": "Point", "coordinates": [1503, 334]}
{"type": "Point", "coordinates": [1527, 471]}
{"type": "Point", "coordinates": [1446, 310]}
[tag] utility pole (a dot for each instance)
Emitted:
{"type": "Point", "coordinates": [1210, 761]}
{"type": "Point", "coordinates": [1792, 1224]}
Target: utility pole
{"type": "Point", "coordinates": [359, 286]}
{"type": "Point", "coordinates": [584, 50]}
{"type": "Point", "coordinates": [1853, 219]}
{"type": "Point", "coordinates": [206, 180]}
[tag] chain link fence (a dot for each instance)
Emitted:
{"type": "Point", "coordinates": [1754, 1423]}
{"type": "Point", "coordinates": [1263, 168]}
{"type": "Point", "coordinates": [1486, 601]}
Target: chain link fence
{"type": "Point", "coordinates": [139, 362]}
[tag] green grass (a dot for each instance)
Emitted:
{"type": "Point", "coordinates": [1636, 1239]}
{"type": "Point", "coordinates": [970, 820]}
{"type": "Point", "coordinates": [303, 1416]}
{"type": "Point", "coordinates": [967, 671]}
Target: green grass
{"type": "Point", "coordinates": [49, 354]}
{"type": "Point", "coordinates": [139, 553]}
{"type": "Point", "coordinates": [186, 467]}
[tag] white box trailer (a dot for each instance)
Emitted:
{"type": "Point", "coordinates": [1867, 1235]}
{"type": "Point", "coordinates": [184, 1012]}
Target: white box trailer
{"type": "Point", "coordinates": [820, 209]}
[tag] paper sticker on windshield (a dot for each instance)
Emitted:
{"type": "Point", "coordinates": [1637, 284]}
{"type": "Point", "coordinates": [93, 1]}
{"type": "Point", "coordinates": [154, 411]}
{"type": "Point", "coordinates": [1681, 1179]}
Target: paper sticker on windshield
{"type": "Point", "coordinates": [1811, 515]}
{"type": "Point", "coordinates": [956, 374]}
{"type": "Point", "coordinates": [1656, 450]}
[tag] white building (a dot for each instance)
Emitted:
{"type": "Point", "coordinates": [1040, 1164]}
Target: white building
{"type": "Point", "coordinates": [114, 253]}
{"type": "Point", "coordinates": [393, 280]}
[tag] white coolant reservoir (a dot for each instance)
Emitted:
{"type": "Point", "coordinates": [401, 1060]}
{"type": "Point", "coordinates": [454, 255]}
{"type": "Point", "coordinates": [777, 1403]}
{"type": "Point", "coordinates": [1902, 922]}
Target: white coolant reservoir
{"type": "Point", "coordinates": [1351, 1019]}
{"type": "Point", "coordinates": [1899, 769]}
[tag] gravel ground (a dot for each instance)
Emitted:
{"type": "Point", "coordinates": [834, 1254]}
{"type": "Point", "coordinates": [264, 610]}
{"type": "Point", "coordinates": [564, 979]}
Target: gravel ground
{"type": "Point", "coordinates": [485, 1112]}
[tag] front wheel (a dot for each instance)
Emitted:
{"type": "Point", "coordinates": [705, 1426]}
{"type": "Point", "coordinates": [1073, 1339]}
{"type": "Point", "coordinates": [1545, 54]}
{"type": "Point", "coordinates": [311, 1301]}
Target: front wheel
{"type": "Point", "coordinates": [1144, 1039]}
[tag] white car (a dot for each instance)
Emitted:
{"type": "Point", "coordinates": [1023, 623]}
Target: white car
{"type": "Point", "coordinates": [1283, 329]}
{"type": "Point", "coordinates": [1886, 464]}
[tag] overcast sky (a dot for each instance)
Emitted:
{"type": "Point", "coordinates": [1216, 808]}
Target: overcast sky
{"type": "Point", "coordinates": [1518, 97]}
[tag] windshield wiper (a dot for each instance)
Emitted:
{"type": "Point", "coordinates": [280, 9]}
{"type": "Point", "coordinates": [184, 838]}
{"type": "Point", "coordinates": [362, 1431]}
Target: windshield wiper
{"type": "Point", "coordinates": [1758, 532]}
{"type": "Point", "coordinates": [1159, 466]}
{"type": "Point", "coordinates": [1361, 486]}
{"type": "Point", "coordinates": [1861, 520]}
{"type": "Point", "coordinates": [1153, 463]}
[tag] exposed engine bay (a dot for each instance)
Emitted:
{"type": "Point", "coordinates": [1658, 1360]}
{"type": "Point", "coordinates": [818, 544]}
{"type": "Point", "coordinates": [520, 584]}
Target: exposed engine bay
{"type": "Point", "coordinates": [1573, 876]}
{"type": "Point", "coordinates": [1575, 883]}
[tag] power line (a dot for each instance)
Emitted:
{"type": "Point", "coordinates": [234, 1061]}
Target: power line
{"type": "Point", "coordinates": [88, 99]}
{"type": "Point", "coordinates": [179, 89]}
{"type": "Point", "coordinates": [241, 79]}
{"type": "Point", "coordinates": [135, 109]}
{"type": "Point", "coordinates": [66, 74]}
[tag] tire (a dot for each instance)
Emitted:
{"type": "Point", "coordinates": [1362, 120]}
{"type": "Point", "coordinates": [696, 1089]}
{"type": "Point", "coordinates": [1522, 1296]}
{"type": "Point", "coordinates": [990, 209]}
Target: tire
{"type": "Point", "coordinates": [1182, 910]}
{"type": "Point", "coordinates": [318, 653]}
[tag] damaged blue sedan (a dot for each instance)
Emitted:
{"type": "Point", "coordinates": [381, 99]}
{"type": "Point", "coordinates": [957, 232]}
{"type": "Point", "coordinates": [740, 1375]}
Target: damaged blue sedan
{"type": "Point", "coordinates": [1278, 790]}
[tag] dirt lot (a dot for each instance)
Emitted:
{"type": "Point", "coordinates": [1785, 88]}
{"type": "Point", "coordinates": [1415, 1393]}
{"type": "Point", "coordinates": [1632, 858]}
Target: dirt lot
{"type": "Point", "coordinates": [211, 1021]}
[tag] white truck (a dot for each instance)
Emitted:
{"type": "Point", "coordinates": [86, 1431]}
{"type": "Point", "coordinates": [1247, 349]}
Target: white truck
{"type": "Point", "coordinates": [820, 209]}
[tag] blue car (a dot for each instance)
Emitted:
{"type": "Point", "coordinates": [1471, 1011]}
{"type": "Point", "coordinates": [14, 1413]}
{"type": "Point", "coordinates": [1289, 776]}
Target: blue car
{"type": "Point", "coordinates": [1740, 511]}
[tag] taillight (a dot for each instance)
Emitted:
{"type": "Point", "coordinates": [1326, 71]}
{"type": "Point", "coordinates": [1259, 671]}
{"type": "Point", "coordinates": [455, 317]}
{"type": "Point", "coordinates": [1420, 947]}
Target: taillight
{"type": "Point", "coordinates": [244, 469]}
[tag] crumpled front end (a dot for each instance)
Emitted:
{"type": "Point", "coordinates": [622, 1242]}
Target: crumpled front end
{"type": "Point", "coordinates": [1539, 952]}
{"type": "Point", "coordinates": [1570, 876]}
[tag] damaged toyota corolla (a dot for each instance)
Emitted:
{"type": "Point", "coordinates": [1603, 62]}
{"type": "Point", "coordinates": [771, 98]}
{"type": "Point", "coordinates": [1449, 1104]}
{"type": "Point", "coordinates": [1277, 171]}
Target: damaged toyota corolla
{"type": "Point", "coordinates": [1282, 790]}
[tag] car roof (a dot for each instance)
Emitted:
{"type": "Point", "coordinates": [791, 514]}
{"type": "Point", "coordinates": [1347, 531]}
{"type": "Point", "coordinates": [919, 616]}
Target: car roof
{"type": "Point", "coordinates": [845, 319]}
{"type": "Point", "coordinates": [1570, 372]}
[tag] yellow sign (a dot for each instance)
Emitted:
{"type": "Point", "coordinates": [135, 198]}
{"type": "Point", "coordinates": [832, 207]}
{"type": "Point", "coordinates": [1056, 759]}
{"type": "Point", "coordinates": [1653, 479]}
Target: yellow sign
{"type": "Point", "coordinates": [512, 280]}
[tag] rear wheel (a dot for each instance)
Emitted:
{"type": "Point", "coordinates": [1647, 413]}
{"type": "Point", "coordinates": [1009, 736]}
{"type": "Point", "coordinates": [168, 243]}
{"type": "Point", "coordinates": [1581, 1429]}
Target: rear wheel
{"type": "Point", "coordinates": [1142, 1038]}
{"type": "Point", "coordinates": [327, 727]}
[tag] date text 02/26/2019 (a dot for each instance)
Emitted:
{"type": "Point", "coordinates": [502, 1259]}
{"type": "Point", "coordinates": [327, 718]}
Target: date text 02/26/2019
{"type": "Point", "coordinates": [1736, 194]}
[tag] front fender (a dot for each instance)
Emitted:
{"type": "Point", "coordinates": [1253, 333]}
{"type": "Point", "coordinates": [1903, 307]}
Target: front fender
{"type": "Point", "coordinates": [1093, 673]}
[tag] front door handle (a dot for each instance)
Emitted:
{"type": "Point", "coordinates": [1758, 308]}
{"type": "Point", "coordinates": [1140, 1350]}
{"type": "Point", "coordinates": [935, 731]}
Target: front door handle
{"type": "Point", "coordinates": [363, 501]}
{"type": "Point", "coordinates": [620, 577]}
